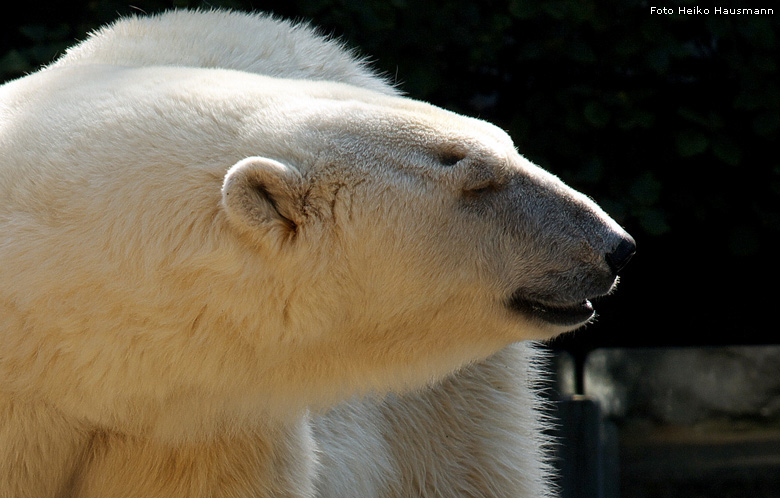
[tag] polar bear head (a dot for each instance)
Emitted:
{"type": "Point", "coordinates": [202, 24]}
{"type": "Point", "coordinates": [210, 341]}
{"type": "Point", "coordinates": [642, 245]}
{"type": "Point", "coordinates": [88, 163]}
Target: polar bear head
{"type": "Point", "coordinates": [226, 235]}
{"type": "Point", "coordinates": [421, 232]}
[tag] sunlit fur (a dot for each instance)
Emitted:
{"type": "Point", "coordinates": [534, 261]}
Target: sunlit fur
{"type": "Point", "coordinates": [216, 227]}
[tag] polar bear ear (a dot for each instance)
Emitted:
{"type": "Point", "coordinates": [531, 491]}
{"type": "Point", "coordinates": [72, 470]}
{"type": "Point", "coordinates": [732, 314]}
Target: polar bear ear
{"type": "Point", "coordinates": [261, 194]}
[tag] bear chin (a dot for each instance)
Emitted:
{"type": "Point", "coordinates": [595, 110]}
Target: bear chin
{"type": "Point", "coordinates": [571, 315]}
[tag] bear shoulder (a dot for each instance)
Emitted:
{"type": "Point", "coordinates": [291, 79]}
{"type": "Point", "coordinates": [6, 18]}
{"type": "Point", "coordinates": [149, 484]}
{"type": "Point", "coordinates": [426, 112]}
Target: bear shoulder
{"type": "Point", "coordinates": [254, 43]}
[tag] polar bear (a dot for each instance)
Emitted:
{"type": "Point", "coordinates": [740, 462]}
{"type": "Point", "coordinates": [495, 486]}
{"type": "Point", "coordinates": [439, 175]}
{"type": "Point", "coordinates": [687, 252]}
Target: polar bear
{"type": "Point", "coordinates": [237, 263]}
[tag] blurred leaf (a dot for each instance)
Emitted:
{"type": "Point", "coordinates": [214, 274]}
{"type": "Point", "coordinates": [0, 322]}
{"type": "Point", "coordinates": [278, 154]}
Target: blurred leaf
{"type": "Point", "coordinates": [591, 172]}
{"type": "Point", "coordinates": [646, 189]}
{"type": "Point", "coordinates": [523, 9]}
{"type": "Point", "coordinates": [653, 221]}
{"type": "Point", "coordinates": [615, 208]}
{"type": "Point", "coordinates": [581, 52]}
{"type": "Point", "coordinates": [691, 142]}
{"type": "Point", "coordinates": [767, 123]}
{"type": "Point", "coordinates": [629, 46]}
{"type": "Point", "coordinates": [34, 32]}
{"type": "Point", "coordinates": [710, 120]}
{"type": "Point", "coordinates": [759, 30]}
{"type": "Point", "coordinates": [744, 241]}
{"type": "Point", "coordinates": [636, 118]}
{"type": "Point", "coordinates": [727, 151]}
{"type": "Point", "coordinates": [658, 59]}
{"type": "Point", "coordinates": [556, 9]}
{"type": "Point", "coordinates": [749, 99]}
{"type": "Point", "coordinates": [14, 63]}
{"type": "Point", "coordinates": [596, 114]}
{"type": "Point", "coordinates": [764, 63]}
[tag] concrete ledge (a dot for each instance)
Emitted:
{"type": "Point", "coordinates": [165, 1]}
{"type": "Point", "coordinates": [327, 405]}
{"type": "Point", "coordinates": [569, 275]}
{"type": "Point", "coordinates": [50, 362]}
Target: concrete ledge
{"type": "Point", "coordinates": [690, 422]}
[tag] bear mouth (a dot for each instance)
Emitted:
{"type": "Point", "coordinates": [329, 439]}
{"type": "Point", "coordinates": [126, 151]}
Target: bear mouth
{"type": "Point", "coordinates": [566, 315]}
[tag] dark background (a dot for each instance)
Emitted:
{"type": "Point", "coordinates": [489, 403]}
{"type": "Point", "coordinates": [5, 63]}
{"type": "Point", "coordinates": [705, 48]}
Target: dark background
{"type": "Point", "coordinates": [669, 121]}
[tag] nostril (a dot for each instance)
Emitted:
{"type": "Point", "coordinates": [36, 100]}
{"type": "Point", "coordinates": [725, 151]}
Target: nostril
{"type": "Point", "coordinates": [620, 256]}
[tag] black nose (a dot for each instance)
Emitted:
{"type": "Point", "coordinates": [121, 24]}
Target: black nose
{"type": "Point", "coordinates": [621, 255]}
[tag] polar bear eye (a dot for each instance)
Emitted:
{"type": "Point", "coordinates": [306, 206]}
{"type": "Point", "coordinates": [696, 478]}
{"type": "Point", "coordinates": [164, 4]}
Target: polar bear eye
{"type": "Point", "coordinates": [451, 157]}
{"type": "Point", "coordinates": [481, 188]}
{"type": "Point", "coordinates": [482, 180]}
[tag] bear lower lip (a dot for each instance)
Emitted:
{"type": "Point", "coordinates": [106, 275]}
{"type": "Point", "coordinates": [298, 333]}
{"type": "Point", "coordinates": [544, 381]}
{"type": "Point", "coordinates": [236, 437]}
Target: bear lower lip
{"type": "Point", "coordinates": [568, 315]}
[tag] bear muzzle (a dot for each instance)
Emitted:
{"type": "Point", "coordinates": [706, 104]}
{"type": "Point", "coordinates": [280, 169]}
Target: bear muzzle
{"type": "Point", "coordinates": [562, 315]}
{"type": "Point", "coordinates": [572, 308]}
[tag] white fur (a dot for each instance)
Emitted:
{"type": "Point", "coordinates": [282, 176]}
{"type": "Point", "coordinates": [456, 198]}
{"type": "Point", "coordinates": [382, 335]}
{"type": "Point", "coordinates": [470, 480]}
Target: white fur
{"type": "Point", "coordinates": [229, 40]}
{"type": "Point", "coordinates": [475, 434]}
{"type": "Point", "coordinates": [214, 223]}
